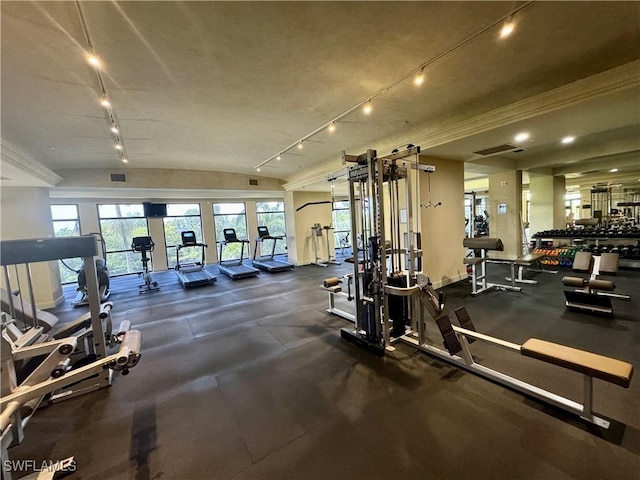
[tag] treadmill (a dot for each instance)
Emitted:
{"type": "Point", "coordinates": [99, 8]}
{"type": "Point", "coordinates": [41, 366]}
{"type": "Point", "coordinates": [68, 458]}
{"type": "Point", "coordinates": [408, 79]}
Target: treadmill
{"type": "Point", "coordinates": [234, 268]}
{"type": "Point", "coordinates": [192, 274]}
{"type": "Point", "coordinates": [268, 262]}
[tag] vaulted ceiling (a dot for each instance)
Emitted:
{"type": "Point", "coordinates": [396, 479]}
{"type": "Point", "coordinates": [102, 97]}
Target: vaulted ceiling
{"type": "Point", "coordinates": [226, 86]}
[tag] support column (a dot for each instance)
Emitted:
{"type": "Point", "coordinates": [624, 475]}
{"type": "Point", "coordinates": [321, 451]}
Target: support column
{"type": "Point", "coordinates": [442, 227]}
{"type": "Point", "coordinates": [546, 202]}
{"type": "Point", "coordinates": [505, 206]}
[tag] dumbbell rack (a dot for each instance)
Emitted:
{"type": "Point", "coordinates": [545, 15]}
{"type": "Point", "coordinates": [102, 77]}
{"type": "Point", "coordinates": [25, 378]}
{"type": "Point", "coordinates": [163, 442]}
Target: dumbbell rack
{"type": "Point", "coordinates": [624, 262]}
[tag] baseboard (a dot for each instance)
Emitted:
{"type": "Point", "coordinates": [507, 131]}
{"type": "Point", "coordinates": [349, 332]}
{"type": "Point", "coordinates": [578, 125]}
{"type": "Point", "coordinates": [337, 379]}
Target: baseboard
{"type": "Point", "coordinates": [449, 280]}
{"type": "Point", "coordinates": [47, 305]}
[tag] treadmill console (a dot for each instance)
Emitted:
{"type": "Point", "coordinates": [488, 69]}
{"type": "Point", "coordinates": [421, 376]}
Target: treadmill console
{"type": "Point", "coordinates": [263, 232]}
{"type": "Point", "coordinates": [188, 238]}
{"type": "Point", "coordinates": [230, 235]}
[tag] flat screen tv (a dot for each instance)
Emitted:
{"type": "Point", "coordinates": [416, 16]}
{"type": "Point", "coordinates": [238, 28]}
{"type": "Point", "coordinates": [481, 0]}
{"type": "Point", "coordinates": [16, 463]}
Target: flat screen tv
{"type": "Point", "coordinates": [154, 209]}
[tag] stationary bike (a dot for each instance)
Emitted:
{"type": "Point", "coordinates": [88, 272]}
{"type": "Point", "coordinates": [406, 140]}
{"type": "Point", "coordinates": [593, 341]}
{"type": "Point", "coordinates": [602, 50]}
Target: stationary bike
{"type": "Point", "coordinates": [144, 245]}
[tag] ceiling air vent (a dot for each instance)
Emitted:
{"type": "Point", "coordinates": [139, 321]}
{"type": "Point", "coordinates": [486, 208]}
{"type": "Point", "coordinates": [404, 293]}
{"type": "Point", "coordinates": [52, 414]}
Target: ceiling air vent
{"type": "Point", "coordinates": [506, 148]}
{"type": "Point", "coordinates": [118, 177]}
{"type": "Point", "coordinates": [253, 181]}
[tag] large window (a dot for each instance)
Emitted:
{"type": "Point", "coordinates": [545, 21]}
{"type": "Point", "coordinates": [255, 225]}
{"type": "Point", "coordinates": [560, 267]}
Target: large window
{"type": "Point", "coordinates": [341, 224]}
{"type": "Point", "coordinates": [182, 217]}
{"type": "Point", "coordinates": [231, 215]}
{"type": "Point", "coordinates": [271, 215]}
{"type": "Point", "coordinates": [66, 223]}
{"type": "Point", "coordinates": [119, 223]}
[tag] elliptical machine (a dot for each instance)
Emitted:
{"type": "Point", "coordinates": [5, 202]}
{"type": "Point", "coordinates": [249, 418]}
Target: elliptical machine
{"type": "Point", "coordinates": [144, 245]}
{"type": "Point", "coordinates": [82, 297]}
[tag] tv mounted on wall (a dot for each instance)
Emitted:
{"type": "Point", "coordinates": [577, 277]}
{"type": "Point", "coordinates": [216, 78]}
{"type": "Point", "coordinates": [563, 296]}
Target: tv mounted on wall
{"type": "Point", "coordinates": [154, 209]}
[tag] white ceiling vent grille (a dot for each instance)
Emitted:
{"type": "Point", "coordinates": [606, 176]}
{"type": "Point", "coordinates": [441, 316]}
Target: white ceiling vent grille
{"type": "Point", "coordinates": [253, 181]}
{"type": "Point", "coordinates": [118, 177]}
{"type": "Point", "coordinates": [505, 148]}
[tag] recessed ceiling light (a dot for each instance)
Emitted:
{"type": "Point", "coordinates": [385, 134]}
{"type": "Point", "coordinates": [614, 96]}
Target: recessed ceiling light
{"type": "Point", "coordinates": [114, 129]}
{"type": "Point", "coordinates": [419, 80]}
{"type": "Point", "coordinates": [300, 144]}
{"type": "Point", "coordinates": [521, 137]}
{"type": "Point", "coordinates": [568, 139]}
{"type": "Point", "coordinates": [118, 147]}
{"type": "Point", "coordinates": [105, 103]}
{"type": "Point", "coordinates": [332, 127]}
{"type": "Point", "coordinates": [124, 160]}
{"type": "Point", "coordinates": [279, 157]}
{"type": "Point", "coordinates": [367, 108]}
{"type": "Point", "coordinates": [613, 170]}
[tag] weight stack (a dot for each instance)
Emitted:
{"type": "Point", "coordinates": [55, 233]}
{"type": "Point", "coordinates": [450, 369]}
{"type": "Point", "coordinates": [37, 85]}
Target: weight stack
{"type": "Point", "coordinates": [366, 312]}
{"type": "Point", "coordinates": [398, 307]}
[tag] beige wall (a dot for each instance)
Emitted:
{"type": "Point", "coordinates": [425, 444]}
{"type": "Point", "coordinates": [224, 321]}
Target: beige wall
{"type": "Point", "coordinates": [25, 213]}
{"type": "Point", "coordinates": [299, 225]}
{"type": "Point", "coordinates": [506, 188]}
{"type": "Point", "coordinates": [442, 228]}
{"type": "Point", "coordinates": [165, 178]}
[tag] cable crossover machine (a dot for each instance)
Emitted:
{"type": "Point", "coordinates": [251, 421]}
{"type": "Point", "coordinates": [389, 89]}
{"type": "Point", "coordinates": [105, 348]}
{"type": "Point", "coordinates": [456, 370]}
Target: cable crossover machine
{"type": "Point", "coordinates": [394, 300]}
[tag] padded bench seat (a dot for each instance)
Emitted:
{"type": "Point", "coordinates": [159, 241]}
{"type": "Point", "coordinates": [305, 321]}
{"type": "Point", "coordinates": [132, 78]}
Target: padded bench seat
{"type": "Point", "coordinates": [591, 364]}
{"type": "Point", "coordinates": [529, 259]}
{"type": "Point", "coordinates": [472, 260]}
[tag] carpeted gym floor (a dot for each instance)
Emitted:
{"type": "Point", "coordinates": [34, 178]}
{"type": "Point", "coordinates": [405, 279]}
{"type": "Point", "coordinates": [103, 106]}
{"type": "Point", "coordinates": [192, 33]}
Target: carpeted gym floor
{"type": "Point", "coordinates": [250, 379]}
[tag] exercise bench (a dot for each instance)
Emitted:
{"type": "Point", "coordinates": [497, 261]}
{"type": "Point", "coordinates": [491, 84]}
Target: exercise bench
{"type": "Point", "coordinates": [457, 340]}
{"type": "Point", "coordinates": [486, 244]}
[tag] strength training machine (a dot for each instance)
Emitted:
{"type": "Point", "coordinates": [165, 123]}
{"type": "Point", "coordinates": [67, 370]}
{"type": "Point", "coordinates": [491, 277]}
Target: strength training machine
{"type": "Point", "coordinates": [393, 301]}
{"type": "Point", "coordinates": [144, 245]}
{"type": "Point", "coordinates": [268, 262]}
{"type": "Point", "coordinates": [316, 233]}
{"type": "Point", "coordinates": [234, 268]}
{"type": "Point", "coordinates": [593, 294]}
{"type": "Point", "coordinates": [38, 367]}
{"type": "Point", "coordinates": [103, 277]}
{"type": "Point", "coordinates": [192, 274]}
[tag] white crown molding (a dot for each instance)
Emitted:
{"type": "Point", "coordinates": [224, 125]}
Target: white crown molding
{"type": "Point", "coordinates": [605, 83]}
{"type": "Point", "coordinates": [610, 81]}
{"type": "Point", "coordinates": [25, 167]}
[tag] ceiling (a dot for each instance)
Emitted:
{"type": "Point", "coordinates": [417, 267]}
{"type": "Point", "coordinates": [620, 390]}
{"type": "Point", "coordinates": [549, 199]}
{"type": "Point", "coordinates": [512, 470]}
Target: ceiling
{"type": "Point", "coordinates": [225, 86]}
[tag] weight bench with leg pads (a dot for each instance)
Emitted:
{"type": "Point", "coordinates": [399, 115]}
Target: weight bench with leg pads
{"type": "Point", "coordinates": [485, 244]}
{"type": "Point", "coordinates": [590, 365]}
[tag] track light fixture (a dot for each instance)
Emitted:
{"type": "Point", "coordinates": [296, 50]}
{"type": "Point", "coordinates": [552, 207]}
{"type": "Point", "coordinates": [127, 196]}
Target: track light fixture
{"type": "Point", "coordinates": [279, 157]}
{"type": "Point", "coordinates": [93, 60]}
{"type": "Point", "coordinates": [507, 26]}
